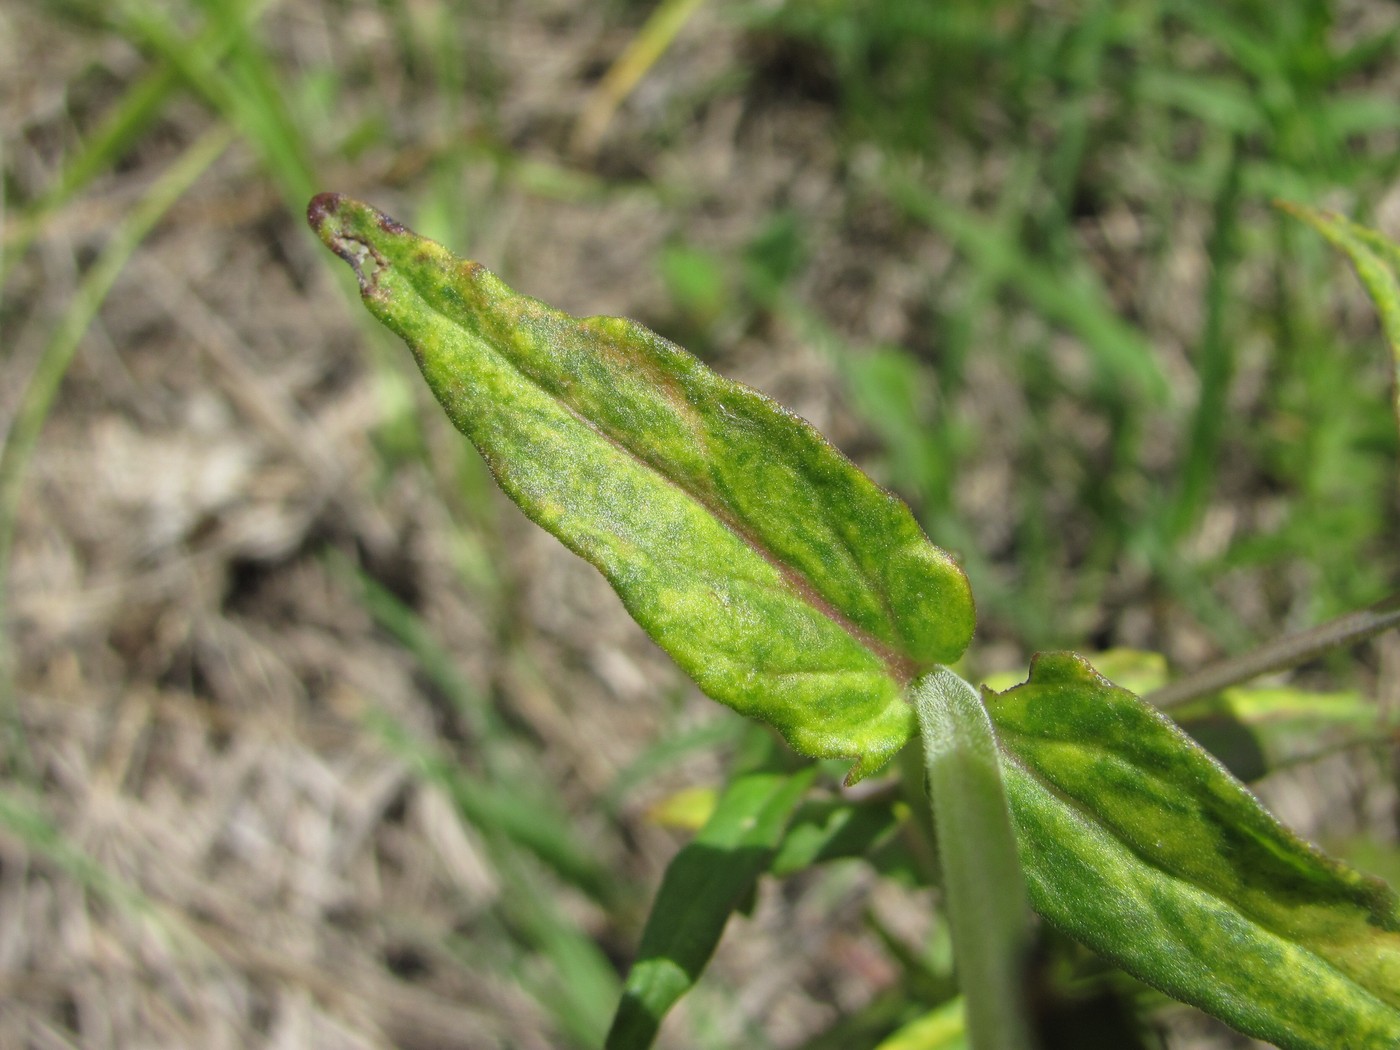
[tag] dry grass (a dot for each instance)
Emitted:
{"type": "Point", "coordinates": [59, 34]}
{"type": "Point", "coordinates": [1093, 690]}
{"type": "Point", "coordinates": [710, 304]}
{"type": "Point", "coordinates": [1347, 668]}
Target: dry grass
{"type": "Point", "coordinates": [228, 856]}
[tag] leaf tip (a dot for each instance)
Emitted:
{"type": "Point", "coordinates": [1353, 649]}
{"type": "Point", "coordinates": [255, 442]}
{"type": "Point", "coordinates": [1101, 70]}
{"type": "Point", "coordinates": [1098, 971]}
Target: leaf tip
{"type": "Point", "coordinates": [1054, 668]}
{"type": "Point", "coordinates": [322, 209]}
{"type": "Point", "coordinates": [1063, 667]}
{"type": "Point", "coordinates": [866, 764]}
{"type": "Point", "coordinates": [346, 227]}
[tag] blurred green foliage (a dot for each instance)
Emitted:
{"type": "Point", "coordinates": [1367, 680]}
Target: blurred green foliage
{"type": "Point", "coordinates": [1184, 115]}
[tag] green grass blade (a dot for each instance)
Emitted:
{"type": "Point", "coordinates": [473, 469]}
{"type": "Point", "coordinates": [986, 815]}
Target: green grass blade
{"type": "Point", "coordinates": [532, 824]}
{"type": "Point", "coordinates": [510, 810]}
{"type": "Point", "coordinates": [1137, 843]}
{"type": "Point", "coordinates": [1377, 262]}
{"type": "Point", "coordinates": [1216, 100]}
{"type": "Point", "coordinates": [1215, 363]}
{"type": "Point", "coordinates": [241, 87]}
{"type": "Point", "coordinates": [23, 818]}
{"type": "Point", "coordinates": [776, 574]}
{"type": "Point", "coordinates": [1073, 298]}
{"type": "Point", "coordinates": [985, 892]}
{"type": "Point", "coordinates": [704, 884]}
{"type": "Point", "coordinates": [259, 100]}
{"type": "Point", "coordinates": [121, 126]}
{"type": "Point", "coordinates": [137, 108]}
{"type": "Point", "coordinates": [92, 291]}
{"type": "Point", "coordinates": [409, 630]}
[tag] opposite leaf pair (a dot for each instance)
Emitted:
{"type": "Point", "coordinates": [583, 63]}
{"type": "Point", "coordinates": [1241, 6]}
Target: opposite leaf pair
{"type": "Point", "coordinates": [793, 589]}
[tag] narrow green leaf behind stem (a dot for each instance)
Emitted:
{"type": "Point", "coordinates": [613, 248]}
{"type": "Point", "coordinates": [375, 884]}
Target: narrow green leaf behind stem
{"type": "Point", "coordinates": [705, 883]}
{"type": "Point", "coordinates": [1377, 262]}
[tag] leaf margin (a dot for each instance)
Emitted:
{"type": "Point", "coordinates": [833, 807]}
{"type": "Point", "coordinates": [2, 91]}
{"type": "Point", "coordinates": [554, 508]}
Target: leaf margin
{"type": "Point", "coordinates": [841, 644]}
{"type": "Point", "coordinates": [1088, 881]}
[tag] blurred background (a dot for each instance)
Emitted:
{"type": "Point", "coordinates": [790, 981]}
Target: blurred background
{"type": "Point", "coordinates": [311, 740]}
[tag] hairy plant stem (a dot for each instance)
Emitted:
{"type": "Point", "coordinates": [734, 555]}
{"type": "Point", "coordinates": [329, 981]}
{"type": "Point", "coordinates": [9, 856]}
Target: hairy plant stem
{"type": "Point", "coordinates": [983, 888]}
{"type": "Point", "coordinates": [1281, 654]}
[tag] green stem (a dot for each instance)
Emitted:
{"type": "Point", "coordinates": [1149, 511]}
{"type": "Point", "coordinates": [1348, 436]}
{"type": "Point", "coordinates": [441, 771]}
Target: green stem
{"type": "Point", "coordinates": [982, 882]}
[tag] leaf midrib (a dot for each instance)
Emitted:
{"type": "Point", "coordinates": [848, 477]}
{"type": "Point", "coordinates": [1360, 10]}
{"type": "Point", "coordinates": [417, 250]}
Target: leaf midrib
{"type": "Point", "coordinates": [1088, 816]}
{"type": "Point", "coordinates": [900, 666]}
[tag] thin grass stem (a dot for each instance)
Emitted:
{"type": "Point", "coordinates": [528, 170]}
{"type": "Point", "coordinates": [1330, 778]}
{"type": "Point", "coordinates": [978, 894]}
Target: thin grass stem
{"type": "Point", "coordinates": [1281, 654]}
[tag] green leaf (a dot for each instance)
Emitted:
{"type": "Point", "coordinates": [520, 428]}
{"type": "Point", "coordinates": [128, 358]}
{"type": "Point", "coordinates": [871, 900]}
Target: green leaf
{"type": "Point", "coordinates": [688, 809]}
{"type": "Point", "coordinates": [1136, 842]}
{"type": "Point", "coordinates": [1377, 262]}
{"type": "Point", "coordinates": [708, 880]}
{"type": "Point", "coordinates": [986, 895]}
{"type": "Point", "coordinates": [1255, 731]}
{"type": "Point", "coordinates": [943, 1028]}
{"type": "Point", "coordinates": [779, 577]}
{"type": "Point", "coordinates": [1136, 670]}
{"type": "Point", "coordinates": [833, 829]}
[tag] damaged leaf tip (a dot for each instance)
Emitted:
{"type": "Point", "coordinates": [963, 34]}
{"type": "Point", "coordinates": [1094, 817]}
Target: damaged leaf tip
{"type": "Point", "coordinates": [775, 573]}
{"type": "Point", "coordinates": [351, 229]}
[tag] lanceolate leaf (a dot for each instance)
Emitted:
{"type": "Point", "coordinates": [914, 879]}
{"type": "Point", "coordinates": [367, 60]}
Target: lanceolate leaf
{"type": "Point", "coordinates": [1136, 842]}
{"type": "Point", "coordinates": [704, 884]}
{"type": "Point", "coordinates": [778, 576]}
